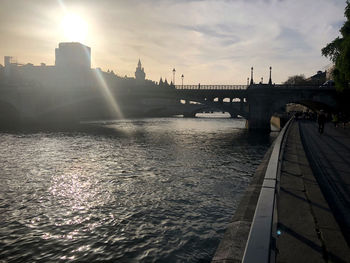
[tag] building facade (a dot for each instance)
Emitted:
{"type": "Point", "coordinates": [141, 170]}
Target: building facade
{"type": "Point", "coordinates": [73, 55]}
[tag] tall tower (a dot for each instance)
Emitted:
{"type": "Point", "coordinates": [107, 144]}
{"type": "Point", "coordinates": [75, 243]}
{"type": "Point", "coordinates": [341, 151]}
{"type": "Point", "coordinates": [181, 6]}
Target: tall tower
{"type": "Point", "coordinates": [73, 55]}
{"type": "Point", "coordinates": [140, 73]}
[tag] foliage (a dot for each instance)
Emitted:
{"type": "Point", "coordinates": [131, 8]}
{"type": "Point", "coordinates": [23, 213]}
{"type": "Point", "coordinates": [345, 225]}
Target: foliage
{"type": "Point", "coordinates": [296, 80]}
{"type": "Point", "coordinates": [338, 51]}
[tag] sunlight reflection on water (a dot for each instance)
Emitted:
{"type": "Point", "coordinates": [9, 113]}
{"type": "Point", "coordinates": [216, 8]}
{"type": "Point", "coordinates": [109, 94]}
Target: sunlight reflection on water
{"type": "Point", "coordinates": [131, 190]}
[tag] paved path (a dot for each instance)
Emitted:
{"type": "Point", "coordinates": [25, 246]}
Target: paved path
{"type": "Point", "coordinates": [329, 156]}
{"type": "Point", "coordinates": [313, 204]}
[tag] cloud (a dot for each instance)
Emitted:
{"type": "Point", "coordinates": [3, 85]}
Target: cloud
{"type": "Point", "coordinates": [291, 40]}
{"type": "Point", "coordinates": [210, 41]}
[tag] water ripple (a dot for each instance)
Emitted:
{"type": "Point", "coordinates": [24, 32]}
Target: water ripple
{"type": "Point", "coordinates": [154, 190]}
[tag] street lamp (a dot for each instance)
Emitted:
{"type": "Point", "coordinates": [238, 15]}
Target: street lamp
{"type": "Point", "coordinates": [182, 79]}
{"type": "Point", "coordinates": [251, 76]}
{"type": "Point", "coordinates": [174, 76]}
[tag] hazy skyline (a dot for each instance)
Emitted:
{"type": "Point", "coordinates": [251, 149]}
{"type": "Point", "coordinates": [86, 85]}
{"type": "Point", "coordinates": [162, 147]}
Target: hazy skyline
{"type": "Point", "coordinates": [211, 42]}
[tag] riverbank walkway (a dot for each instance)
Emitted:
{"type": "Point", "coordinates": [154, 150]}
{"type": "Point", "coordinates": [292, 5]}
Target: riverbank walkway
{"type": "Point", "coordinates": [312, 203]}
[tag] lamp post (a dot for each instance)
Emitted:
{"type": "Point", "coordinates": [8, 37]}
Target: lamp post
{"type": "Point", "coordinates": [251, 76]}
{"type": "Point", "coordinates": [270, 79]}
{"type": "Point", "coordinates": [182, 79]}
{"type": "Point", "coordinates": [174, 76]}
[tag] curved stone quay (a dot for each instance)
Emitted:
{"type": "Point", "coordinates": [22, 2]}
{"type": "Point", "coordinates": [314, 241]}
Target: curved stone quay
{"type": "Point", "coordinates": [310, 222]}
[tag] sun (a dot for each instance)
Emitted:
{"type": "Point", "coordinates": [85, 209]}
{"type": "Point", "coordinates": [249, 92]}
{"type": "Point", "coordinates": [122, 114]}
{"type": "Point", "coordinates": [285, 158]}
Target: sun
{"type": "Point", "coordinates": [74, 28]}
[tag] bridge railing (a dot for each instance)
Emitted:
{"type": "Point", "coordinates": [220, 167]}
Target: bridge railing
{"type": "Point", "coordinates": [244, 87]}
{"type": "Point", "coordinates": [294, 86]}
{"type": "Point", "coordinates": [260, 243]}
{"type": "Point", "coordinates": [211, 87]}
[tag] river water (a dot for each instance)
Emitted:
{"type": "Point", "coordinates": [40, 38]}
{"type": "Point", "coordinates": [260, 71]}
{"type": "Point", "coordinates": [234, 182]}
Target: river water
{"type": "Point", "coordinates": [151, 190]}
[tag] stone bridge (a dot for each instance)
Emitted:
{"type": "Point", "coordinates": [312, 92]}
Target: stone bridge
{"type": "Point", "coordinates": [256, 102]}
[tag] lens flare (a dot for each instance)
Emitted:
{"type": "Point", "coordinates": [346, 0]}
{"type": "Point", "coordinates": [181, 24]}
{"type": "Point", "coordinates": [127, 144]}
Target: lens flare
{"type": "Point", "coordinates": [108, 95]}
{"type": "Point", "coordinates": [74, 28]}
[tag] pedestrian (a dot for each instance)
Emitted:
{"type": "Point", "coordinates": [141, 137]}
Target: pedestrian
{"type": "Point", "coordinates": [342, 119]}
{"type": "Point", "coordinates": [321, 119]}
{"type": "Point", "coordinates": [335, 119]}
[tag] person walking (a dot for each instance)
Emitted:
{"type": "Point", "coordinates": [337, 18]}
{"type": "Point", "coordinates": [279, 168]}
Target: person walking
{"type": "Point", "coordinates": [321, 119]}
{"type": "Point", "coordinates": [335, 119]}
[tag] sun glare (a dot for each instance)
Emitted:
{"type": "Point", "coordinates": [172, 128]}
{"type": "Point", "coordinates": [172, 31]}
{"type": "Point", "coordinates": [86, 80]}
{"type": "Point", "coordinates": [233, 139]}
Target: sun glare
{"type": "Point", "coordinates": [75, 28]}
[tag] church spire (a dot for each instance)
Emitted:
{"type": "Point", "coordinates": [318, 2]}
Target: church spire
{"type": "Point", "coordinates": [140, 73]}
{"type": "Point", "coordinates": [139, 65]}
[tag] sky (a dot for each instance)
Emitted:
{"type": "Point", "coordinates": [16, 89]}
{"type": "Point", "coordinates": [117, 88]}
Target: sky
{"type": "Point", "coordinates": [208, 41]}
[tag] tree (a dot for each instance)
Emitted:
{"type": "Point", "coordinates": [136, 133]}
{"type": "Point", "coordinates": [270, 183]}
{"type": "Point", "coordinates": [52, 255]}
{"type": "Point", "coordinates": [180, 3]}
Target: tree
{"type": "Point", "coordinates": [338, 51]}
{"type": "Point", "coordinates": [296, 80]}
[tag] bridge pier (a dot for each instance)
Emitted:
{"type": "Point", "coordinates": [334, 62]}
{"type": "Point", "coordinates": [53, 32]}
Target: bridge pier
{"type": "Point", "coordinates": [259, 124]}
{"type": "Point", "coordinates": [259, 116]}
{"type": "Point", "coordinates": [241, 101]}
{"type": "Point", "coordinates": [233, 115]}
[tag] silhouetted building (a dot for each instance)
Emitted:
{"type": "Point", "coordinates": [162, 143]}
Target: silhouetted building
{"type": "Point", "coordinates": [318, 78]}
{"type": "Point", "coordinates": [140, 73]}
{"type": "Point", "coordinates": [7, 61]}
{"type": "Point", "coordinates": [72, 70]}
{"type": "Point", "coordinates": [73, 55]}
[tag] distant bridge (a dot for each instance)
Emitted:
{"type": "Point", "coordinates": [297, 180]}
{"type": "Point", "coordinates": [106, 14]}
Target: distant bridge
{"type": "Point", "coordinates": [256, 102]}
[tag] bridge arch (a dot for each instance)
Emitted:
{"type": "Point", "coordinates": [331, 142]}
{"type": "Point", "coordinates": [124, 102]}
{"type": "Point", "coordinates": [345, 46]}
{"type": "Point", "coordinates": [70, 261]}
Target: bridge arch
{"type": "Point", "coordinates": [316, 105]}
{"type": "Point", "coordinates": [267, 101]}
{"type": "Point", "coordinates": [233, 109]}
